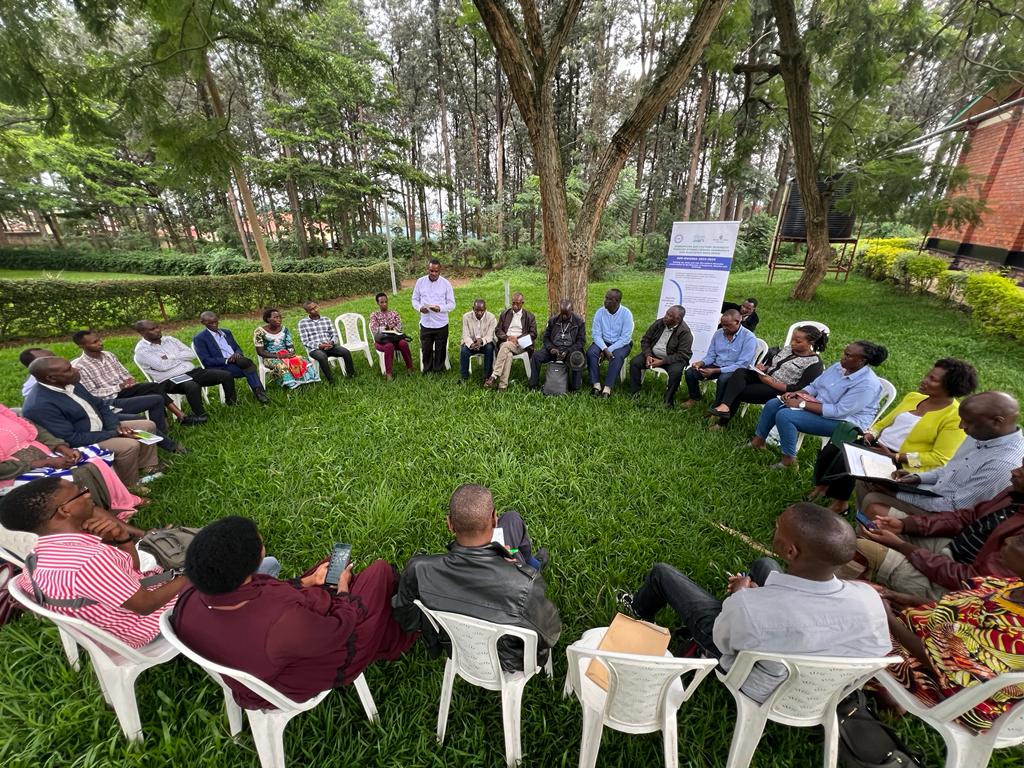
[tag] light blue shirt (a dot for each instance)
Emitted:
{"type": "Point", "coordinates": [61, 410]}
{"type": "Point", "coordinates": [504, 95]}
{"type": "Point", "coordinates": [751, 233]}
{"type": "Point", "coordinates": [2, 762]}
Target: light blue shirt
{"type": "Point", "coordinates": [978, 471]}
{"type": "Point", "coordinates": [730, 355]}
{"type": "Point", "coordinates": [851, 397]}
{"type": "Point", "coordinates": [222, 342]}
{"type": "Point", "coordinates": [610, 331]}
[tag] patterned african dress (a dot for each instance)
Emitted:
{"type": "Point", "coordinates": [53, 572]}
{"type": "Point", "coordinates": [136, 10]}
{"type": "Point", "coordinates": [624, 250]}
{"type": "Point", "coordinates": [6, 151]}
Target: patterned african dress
{"type": "Point", "coordinates": [291, 370]}
{"type": "Point", "coordinates": [970, 636]}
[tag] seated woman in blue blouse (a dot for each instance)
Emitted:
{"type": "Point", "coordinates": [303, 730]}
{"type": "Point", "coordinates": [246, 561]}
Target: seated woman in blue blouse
{"type": "Point", "coordinates": [848, 391]}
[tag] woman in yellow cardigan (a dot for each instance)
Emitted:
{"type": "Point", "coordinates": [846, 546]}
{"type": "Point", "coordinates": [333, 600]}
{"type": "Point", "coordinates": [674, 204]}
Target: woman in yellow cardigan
{"type": "Point", "coordinates": [921, 433]}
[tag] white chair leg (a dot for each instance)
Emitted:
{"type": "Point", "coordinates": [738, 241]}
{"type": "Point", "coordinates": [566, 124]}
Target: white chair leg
{"type": "Point", "coordinates": [831, 726]}
{"type": "Point", "coordinates": [749, 728]}
{"type": "Point", "coordinates": [549, 667]}
{"type": "Point", "coordinates": [670, 732]}
{"type": "Point", "coordinates": [119, 683]}
{"type": "Point", "coordinates": [966, 750]}
{"type": "Point", "coordinates": [366, 699]}
{"type": "Point", "coordinates": [511, 711]}
{"type": "Point", "coordinates": [567, 686]}
{"type": "Point", "coordinates": [590, 741]}
{"type": "Point", "coordinates": [446, 700]}
{"type": "Point", "coordinates": [268, 734]}
{"type": "Point", "coordinates": [369, 358]}
{"type": "Point", "coordinates": [70, 649]}
{"type": "Point", "coordinates": [233, 711]}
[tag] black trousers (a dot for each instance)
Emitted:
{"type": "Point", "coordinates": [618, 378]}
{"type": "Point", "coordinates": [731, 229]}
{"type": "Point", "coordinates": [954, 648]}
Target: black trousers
{"type": "Point", "coordinates": [744, 386]}
{"type": "Point", "coordinates": [636, 376]}
{"type": "Point", "coordinates": [204, 377]}
{"type": "Point", "coordinates": [322, 357]}
{"type": "Point", "coordinates": [541, 356]}
{"type": "Point", "coordinates": [433, 348]}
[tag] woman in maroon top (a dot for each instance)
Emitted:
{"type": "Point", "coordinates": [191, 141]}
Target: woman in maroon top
{"type": "Point", "coordinates": [301, 637]}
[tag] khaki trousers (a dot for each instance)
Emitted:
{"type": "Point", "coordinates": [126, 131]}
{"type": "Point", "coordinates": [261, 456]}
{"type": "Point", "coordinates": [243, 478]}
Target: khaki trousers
{"type": "Point", "coordinates": [130, 455]}
{"type": "Point", "coordinates": [503, 362]}
{"type": "Point", "coordinates": [891, 569]}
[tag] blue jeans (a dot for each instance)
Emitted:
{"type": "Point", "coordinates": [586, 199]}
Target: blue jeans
{"type": "Point", "coordinates": [790, 422]}
{"type": "Point", "coordinates": [465, 353]}
{"type": "Point", "coordinates": [611, 377]}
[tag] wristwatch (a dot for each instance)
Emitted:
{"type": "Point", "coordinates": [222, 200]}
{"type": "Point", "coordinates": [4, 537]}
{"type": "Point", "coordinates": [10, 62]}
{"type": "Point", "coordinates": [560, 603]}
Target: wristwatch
{"type": "Point", "coordinates": [802, 404]}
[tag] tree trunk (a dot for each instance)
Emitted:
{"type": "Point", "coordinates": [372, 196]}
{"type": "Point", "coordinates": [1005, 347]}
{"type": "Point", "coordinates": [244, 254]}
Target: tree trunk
{"type": "Point", "coordinates": [529, 65]}
{"type": "Point", "coordinates": [243, 184]}
{"type": "Point", "coordinates": [242, 234]}
{"type": "Point", "coordinates": [499, 155]}
{"type": "Point", "coordinates": [51, 222]}
{"type": "Point", "coordinates": [295, 206]}
{"type": "Point", "coordinates": [696, 144]}
{"type": "Point", "coordinates": [781, 176]}
{"type": "Point", "coordinates": [796, 76]}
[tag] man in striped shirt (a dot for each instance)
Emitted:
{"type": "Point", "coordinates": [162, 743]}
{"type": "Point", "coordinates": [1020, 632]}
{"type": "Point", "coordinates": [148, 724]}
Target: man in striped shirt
{"type": "Point", "coordinates": [82, 554]}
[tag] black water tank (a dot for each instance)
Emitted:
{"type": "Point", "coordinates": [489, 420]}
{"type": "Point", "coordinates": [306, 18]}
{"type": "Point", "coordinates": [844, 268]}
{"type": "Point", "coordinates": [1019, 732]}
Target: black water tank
{"type": "Point", "coordinates": [840, 225]}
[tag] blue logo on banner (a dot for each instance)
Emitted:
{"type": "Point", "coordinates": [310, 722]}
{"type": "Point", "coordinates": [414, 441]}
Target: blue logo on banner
{"type": "Point", "coordinates": [712, 263]}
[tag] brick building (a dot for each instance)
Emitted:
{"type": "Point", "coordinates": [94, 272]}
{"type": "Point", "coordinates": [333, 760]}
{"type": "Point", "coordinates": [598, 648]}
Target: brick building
{"type": "Point", "coordinates": [994, 159]}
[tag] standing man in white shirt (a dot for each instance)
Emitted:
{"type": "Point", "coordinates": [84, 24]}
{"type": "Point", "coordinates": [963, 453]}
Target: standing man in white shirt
{"type": "Point", "coordinates": [433, 297]}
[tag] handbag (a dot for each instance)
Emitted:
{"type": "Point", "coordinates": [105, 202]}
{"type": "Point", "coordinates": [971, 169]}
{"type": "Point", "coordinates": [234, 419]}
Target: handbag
{"type": "Point", "coordinates": [168, 545]}
{"type": "Point", "coordinates": [9, 607]}
{"type": "Point", "coordinates": [557, 381]}
{"type": "Point", "coordinates": [867, 742]}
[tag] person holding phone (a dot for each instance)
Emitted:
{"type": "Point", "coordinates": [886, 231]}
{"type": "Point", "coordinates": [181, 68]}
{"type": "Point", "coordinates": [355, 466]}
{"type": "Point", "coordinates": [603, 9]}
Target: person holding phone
{"type": "Point", "coordinates": [301, 637]}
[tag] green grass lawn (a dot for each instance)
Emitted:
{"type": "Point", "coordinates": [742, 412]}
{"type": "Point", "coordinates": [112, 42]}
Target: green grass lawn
{"type": "Point", "coordinates": [610, 487]}
{"type": "Point", "coordinates": [63, 274]}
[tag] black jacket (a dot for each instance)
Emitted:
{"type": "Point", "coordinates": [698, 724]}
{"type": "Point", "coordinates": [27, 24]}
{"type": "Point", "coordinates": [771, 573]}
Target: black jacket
{"type": "Point", "coordinates": [483, 583]}
{"type": "Point", "coordinates": [529, 327]}
{"type": "Point", "coordinates": [749, 322]}
{"type": "Point", "coordinates": [565, 337]}
{"type": "Point", "coordinates": [680, 343]}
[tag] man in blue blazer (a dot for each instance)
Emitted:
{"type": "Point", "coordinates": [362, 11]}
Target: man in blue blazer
{"type": "Point", "coordinates": [62, 406]}
{"type": "Point", "coordinates": [217, 348]}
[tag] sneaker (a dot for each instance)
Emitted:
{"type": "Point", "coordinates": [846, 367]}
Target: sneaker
{"type": "Point", "coordinates": [595, 392]}
{"type": "Point", "coordinates": [150, 478]}
{"type": "Point", "coordinates": [625, 602]}
{"type": "Point", "coordinates": [543, 556]}
{"type": "Point", "coordinates": [192, 420]}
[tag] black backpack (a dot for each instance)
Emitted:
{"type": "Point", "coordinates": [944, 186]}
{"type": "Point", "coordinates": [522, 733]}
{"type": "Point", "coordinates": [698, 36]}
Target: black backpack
{"type": "Point", "coordinates": [867, 742]}
{"type": "Point", "coordinates": [557, 380]}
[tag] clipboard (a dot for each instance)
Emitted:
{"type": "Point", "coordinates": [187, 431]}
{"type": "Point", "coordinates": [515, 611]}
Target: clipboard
{"type": "Point", "coordinates": [864, 464]}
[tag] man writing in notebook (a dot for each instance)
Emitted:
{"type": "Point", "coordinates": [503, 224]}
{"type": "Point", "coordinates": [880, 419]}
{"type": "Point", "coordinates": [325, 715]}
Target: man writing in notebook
{"type": "Point", "coordinates": [805, 610]}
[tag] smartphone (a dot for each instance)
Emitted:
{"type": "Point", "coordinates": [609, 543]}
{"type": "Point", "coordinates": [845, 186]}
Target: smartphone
{"type": "Point", "coordinates": [867, 523]}
{"type": "Point", "coordinates": [340, 556]}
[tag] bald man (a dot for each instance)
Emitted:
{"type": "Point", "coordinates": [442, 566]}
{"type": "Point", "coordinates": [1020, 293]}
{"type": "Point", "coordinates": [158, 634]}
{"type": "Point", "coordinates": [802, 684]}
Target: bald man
{"type": "Point", "coordinates": [668, 344]}
{"type": "Point", "coordinates": [516, 333]}
{"type": "Point", "coordinates": [806, 610]}
{"type": "Point", "coordinates": [976, 473]}
{"type": "Point", "coordinates": [481, 578]}
{"type": "Point", "coordinates": [922, 557]}
{"type": "Point", "coordinates": [63, 407]}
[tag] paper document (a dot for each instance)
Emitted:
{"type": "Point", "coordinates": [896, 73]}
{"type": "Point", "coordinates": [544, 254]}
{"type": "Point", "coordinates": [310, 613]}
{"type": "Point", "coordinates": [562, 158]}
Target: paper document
{"type": "Point", "coordinates": [866, 463]}
{"type": "Point", "coordinates": [499, 536]}
{"type": "Point", "coordinates": [626, 635]}
{"type": "Point", "coordinates": [147, 438]}
{"type": "Point", "coordinates": [525, 341]}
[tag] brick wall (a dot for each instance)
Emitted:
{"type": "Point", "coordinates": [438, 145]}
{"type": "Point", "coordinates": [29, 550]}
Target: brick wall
{"type": "Point", "coordinates": [994, 159]}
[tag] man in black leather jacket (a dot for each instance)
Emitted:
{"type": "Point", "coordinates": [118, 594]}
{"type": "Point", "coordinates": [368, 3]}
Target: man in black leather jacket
{"type": "Point", "coordinates": [480, 578]}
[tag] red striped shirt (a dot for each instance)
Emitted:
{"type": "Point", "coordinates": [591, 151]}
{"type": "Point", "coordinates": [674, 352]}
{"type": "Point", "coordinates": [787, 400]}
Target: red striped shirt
{"type": "Point", "coordinates": [73, 565]}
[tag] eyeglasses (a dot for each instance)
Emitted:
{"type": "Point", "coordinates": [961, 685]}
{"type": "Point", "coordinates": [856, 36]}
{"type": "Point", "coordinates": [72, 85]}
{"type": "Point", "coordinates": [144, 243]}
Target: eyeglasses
{"type": "Point", "coordinates": [78, 495]}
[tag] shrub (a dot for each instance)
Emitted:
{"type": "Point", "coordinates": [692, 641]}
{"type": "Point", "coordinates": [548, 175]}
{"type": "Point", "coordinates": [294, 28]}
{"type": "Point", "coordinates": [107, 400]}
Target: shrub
{"type": "Point", "coordinates": [48, 308]}
{"type": "Point", "coordinates": [997, 302]}
{"type": "Point", "coordinates": [877, 258]}
{"type": "Point", "coordinates": [918, 270]}
{"type": "Point", "coordinates": [139, 262]}
{"type": "Point", "coordinates": [754, 242]}
{"type": "Point", "coordinates": [951, 285]}
{"type": "Point", "coordinates": [652, 255]}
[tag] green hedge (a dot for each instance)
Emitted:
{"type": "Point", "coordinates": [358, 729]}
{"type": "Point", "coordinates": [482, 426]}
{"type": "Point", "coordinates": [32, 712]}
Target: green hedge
{"type": "Point", "coordinates": [50, 308]}
{"type": "Point", "coordinates": [218, 261]}
{"type": "Point", "coordinates": [996, 301]}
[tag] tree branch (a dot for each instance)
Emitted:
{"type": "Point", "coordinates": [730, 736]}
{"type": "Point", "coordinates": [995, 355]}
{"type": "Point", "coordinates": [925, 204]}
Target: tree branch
{"type": "Point", "coordinates": [534, 30]}
{"type": "Point", "coordinates": [754, 67]}
{"type": "Point", "coordinates": [510, 48]}
{"type": "Point", "coordinates": [564, 25]}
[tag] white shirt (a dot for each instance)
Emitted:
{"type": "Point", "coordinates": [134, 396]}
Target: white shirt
{"type": "Point", "coordinates": [799, 616]}
{"type": "Point", "coordinates": [515, 326]}
{"type": "Point", "coordinates": [95, 422]}
{"type": "Point", "coordinates": [427, 293]}
{"type": "Point", "coordinates": [893, 436]}
{"type": "Point", "coordinates": [27, 387]}
{"type": "Point", "coordinates": [170, 357]}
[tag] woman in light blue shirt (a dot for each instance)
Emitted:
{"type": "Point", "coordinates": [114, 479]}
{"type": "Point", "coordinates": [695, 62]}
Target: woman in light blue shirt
{"type": "Point", "coordinates": [848, 391]}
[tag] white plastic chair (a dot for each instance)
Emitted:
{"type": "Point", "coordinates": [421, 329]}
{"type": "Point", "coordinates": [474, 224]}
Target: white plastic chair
{"type": "Point", "coordinates": [644, 694]}
{"type": "Point", "coordinates": [475, 659]}
{"type": "Point", "coordinates": [179, 400]}
{"type": "Point", "coordinates": [808, 696]}
{"type": "Point", "coordinates": [523, 356]}
{"type": "Point", "coordinates": [14, 547]}
{"type": "Point", "coordinates": [116, 665]}
{"type": "Point", "coordinates": [964, 747]}
{"type": "Point", "coordinates": [351, 328]}
{"type": "Point", "coordinates": [798, 323]}
{"type": "Point", "coordinates": [267, 725]}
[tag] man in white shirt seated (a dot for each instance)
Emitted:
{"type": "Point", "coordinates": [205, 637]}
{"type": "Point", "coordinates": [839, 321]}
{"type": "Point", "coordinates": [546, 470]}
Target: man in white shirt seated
{"type": "Point", "coordinates": [805, 611]}
{"type": "Point", "coordinates": [25, 357]}
{"type": "Point", "coordinates": [86, 565]}
{"type": "Point", "coordinates": [165, 358]}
